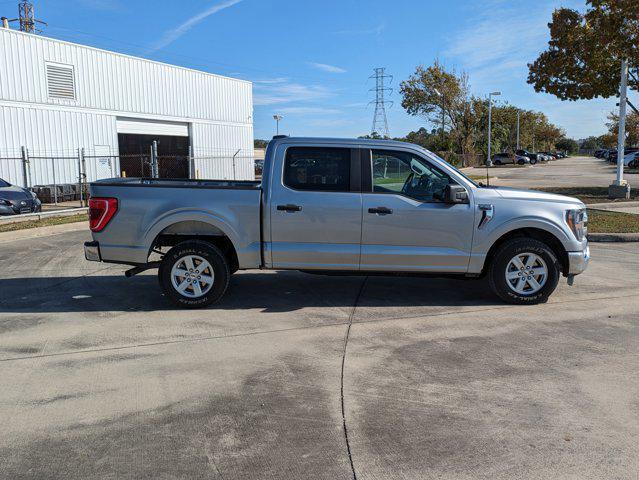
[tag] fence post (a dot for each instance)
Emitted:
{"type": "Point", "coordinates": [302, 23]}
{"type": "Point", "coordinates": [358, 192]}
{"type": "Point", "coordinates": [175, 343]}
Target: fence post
{"type": "Point", "coordinates": [154, 160]}
{"type": "Point", "coordinates": [191, 163]}
{"type": "Point", "coordinates": [83, 172]}
{"type": "Point", "coordinates": [25, 162]}
{"type": "Point", "coordinates": [80, 176]}
{"type": "Point", "coordinates": [55, 184]}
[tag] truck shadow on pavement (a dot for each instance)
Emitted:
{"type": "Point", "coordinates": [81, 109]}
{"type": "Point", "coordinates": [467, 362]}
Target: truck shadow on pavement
{"type": "Point", "coordinates": [270, 292]}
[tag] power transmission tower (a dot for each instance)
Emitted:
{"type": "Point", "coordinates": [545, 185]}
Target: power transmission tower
{"type": "Point", "coordinates": [380, 122]}
{"type": "Point", "coordinates": [26, 17]}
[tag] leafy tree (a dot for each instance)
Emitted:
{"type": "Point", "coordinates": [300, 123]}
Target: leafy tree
{"type": "Point", "coordinates": [584, 56]}
{"type": "Point", "coordinates": [632, 127]}
{"type": "Point", "coordinates": [568, 145]}
{"type": "Point", "coordinates": [465, 117]}
{"type": "Point", "coordinates": [373, 136]}
{"type": "Point", "coordinates": [257, 143]}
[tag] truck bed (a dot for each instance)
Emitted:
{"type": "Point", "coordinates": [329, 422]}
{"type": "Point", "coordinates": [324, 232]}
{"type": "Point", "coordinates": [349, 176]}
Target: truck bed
{"type": "Point", "coordinates": [187, 207]}
{"type": "Point", "coordinates": [177, 183]}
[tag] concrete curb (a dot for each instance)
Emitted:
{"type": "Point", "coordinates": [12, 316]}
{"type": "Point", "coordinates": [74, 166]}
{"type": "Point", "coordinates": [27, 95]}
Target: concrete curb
{"type": "Point", "coordinates": [613, 205]}
{"type": "Point", "coordinates": [613, 237]}
{"type": "Point", "coordinates": [39, 216]}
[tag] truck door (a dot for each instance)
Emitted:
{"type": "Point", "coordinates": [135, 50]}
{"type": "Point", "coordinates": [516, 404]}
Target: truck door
{"type": "Point", "coordinates": [315, 208]}
{"type": "Point", "coordinates": [406, 226]}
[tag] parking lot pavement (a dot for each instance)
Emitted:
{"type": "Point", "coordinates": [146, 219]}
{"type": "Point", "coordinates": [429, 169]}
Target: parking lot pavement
{"type": "Point", "coordinates": [567, 172]}
{"type": "Point", "coordinates": [101, 378]}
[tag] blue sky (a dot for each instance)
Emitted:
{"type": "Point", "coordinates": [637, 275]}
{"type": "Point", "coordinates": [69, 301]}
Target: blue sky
{"type": "Point", "coordinates": [310, 60]}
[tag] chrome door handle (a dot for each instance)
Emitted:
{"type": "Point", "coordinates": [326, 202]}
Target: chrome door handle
{"type": "Point", "coordinates": [380, 211]}
{"type": "Point", "coordinates": [289, 208]}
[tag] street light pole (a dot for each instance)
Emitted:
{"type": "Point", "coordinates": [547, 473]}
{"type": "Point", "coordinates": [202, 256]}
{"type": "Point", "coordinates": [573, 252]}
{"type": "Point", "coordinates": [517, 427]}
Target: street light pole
{"type": "Point", "coordinates": [489, 161]}
{"type": "Point", "coordinates": [620, 187]}
{"type": "Point", "coordinates": [518, 129]}
{"type": "Point", "coordinates": [277, 122]}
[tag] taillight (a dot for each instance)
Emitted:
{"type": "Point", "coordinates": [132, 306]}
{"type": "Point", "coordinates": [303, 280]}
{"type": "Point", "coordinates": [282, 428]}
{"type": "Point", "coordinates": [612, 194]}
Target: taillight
{"type": "Point", "coordinates": [101, 211]}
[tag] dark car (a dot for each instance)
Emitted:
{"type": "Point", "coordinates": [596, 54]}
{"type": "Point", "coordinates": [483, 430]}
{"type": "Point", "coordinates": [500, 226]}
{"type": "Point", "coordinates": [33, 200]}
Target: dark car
{"type": "Point", "coordinates": [15, 200]}
{"type": "Point", "coordinates": [504, 158]}
{"type": "Point", "coordinates": [534, 157]}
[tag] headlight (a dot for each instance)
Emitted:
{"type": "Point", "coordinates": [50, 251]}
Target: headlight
{"type": "Point", "coordinates": [5, 202]}
{"type": "Point", "coordinates": [577, 220]}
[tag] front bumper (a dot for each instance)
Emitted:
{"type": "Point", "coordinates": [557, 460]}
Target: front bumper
{"type": "Point", "coordinates": [16, 208]}
{"type": "Point", "coordinates": [578, 261]}
{"type": "Point", "coordinates": [92, 251]}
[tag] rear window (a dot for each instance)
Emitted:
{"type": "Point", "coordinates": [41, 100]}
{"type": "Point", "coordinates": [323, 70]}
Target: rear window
{"type": "Point", "coordinates": [318, 169]}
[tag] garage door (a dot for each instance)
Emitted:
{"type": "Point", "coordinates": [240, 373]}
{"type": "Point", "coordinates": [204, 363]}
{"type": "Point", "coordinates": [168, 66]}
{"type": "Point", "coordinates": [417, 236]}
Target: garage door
{"type": "Point", "coordinates": [152, 127]}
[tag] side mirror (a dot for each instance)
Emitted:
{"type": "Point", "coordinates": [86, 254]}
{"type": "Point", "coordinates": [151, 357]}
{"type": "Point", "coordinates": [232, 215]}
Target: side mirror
{"type": "Point", "coordinates": [455, 194]}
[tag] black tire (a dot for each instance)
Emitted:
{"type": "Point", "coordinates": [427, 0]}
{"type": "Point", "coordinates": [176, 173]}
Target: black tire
{"type": "Point", "coordinates": [218, 263]}
{"type": "Point", "coordinates": [533, 161]}
{"type": "Point", "coordinates": [508, 251]}
{"type": "Point", "coordinates": [521, 162]}
{"type": "Point", "coordinates": [497, 162]}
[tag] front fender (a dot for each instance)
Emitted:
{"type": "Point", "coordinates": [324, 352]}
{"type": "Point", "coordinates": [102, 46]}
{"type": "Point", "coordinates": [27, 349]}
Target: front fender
{"type": "Point", "coordinates": [485, 238]}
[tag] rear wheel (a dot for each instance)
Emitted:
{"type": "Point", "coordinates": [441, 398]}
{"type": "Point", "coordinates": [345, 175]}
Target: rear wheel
{"type": "Point", "coordinates": [194, 274]}
{"type": "Point", "coordinates": [533, 161]}
{"type": "Point", "coordinates": [497, 162]}
{"type": "Point", "coordinates": [524, 272]}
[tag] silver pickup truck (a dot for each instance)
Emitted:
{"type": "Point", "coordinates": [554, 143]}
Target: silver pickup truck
{"type": "Point", "coordinates": [347, 206]}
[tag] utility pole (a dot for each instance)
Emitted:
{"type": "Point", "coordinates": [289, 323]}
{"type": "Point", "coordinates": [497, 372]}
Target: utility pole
{"type": "Point", "coordinates": [26, 18]}
{"type": "Point", "coordinates": [380, 122]}
{"type": "Point", "coordinates": [620, 187]}
{"type": "Point", "coordinates": [518, 130]}
{"type": "Point", "coordinates": [489, 161]}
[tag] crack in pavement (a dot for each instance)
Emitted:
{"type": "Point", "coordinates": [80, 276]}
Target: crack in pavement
{"type": "Point", "coordinates": [292, 329]}
{"type": "Point", "coordinates": [341, 390]}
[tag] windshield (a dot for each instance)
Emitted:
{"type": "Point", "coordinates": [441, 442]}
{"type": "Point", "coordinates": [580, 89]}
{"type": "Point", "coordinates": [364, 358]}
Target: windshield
{"type": "Point", "coordinates": [453, 167]}
{"type": "Point", "coordinates": [4, 184]}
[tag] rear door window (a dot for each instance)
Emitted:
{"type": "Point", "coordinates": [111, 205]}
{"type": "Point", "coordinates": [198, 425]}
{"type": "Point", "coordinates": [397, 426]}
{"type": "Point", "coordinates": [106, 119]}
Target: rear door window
{"type": "Point", "coordinates": [318, 169]}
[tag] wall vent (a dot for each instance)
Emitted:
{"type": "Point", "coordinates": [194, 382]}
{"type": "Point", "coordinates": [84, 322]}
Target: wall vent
{"type": "Point", "coordinates": [60, 81]}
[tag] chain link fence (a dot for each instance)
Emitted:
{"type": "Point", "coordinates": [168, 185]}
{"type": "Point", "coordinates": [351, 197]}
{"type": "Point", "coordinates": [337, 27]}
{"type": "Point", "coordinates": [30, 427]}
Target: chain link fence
{"type": "Point", "coordinates": [60, 177]}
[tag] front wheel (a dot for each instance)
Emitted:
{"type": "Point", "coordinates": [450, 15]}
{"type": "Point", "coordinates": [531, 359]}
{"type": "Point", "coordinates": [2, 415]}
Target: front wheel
{"type": "Point", "coordinates": [524, 272]}
{"type": "Point", "coordinates": [194, 274]}
{"type": "Point", "coordinates": [533, 161]}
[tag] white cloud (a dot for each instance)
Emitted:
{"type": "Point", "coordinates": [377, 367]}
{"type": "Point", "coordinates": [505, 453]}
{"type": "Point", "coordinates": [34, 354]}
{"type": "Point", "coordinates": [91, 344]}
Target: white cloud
{"type": "Point", "coordinates": [172, 35]}
{"type": "Point", "coordinates": [495, 46]}
{"type": "Point", "coordinates": [326, 67]}
{"type": "Point", "coordinates": [282, 91]}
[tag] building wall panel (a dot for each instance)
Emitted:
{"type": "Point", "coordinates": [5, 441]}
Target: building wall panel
{"type": "Point", "coordinates": [111, 81]}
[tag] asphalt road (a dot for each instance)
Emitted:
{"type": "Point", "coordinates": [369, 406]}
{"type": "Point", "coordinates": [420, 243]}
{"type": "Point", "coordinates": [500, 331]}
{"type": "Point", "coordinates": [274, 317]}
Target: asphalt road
{"type": "Point", "coordinates": [567, 172]}
{"type": "Point", "coordinates": [101, 378]}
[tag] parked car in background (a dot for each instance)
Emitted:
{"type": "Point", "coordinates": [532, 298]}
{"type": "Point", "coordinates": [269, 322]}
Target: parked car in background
{"type": "Point", "coordinates": [15, 200]}
{"type": "Point", "coordinates": [549, 155]}
{"type": "Point", "coordinates": [599, 153]}
{"type": "Point", "coordinates": [631, 160]}
{"type": "Point", "coordinates": [612, 154]}
{"type": "Point", "coordinates": [508, 158]}
{"type": "Point", "coordinates": [534, 157]}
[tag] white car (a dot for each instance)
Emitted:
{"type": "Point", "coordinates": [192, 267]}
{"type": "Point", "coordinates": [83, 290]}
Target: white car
{"type": "Point", "coordinates": [631, 160]}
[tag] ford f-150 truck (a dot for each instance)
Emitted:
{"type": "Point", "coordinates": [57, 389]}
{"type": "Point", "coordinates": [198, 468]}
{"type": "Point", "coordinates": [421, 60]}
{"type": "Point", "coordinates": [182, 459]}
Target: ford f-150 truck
{"type": "Point", "coordinates": [339, 206]}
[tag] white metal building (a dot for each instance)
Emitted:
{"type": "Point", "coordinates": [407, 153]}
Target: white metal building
{"type": "Point", "coordinates": [57, 97]}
